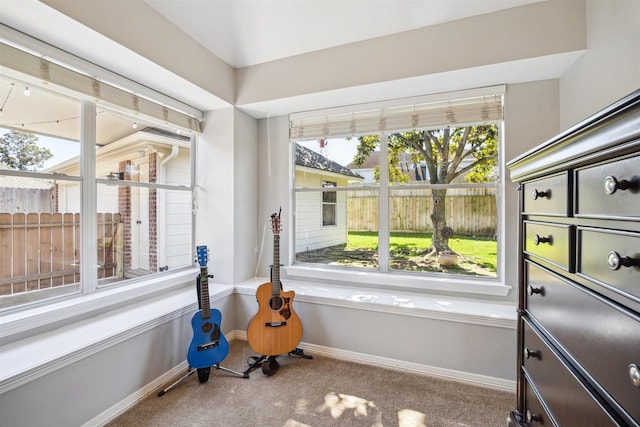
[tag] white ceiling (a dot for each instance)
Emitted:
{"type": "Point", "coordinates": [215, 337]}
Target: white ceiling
{"type": "Point", "coordinates": [249, 32]}
{"type": "Point", "coordinates": [246, 32]}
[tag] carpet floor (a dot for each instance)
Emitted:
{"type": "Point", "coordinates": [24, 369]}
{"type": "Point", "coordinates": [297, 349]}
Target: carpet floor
{"type": "Point", "coordinates": [321, 392]}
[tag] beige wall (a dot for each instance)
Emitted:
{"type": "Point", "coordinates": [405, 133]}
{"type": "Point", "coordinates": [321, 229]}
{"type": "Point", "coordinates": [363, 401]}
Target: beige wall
{"type": "Point", "coordinates": [532, 31]}
{"type": "Point", "coordinates": [144, 31]}
{"type": "Point", "coordinates": [610, 68]}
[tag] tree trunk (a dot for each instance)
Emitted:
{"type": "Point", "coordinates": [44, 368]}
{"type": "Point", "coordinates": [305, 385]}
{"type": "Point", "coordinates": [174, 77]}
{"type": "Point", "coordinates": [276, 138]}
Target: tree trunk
{"type": "Point", "coordinates": [439, 243]}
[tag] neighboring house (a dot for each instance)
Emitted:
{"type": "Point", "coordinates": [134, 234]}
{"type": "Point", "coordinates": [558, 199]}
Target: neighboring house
{"type": "Point", "coordinates": [25, 195]}
{"type": "Point", "coordinates": [149, 215]}
{"type": "Point", "coordinates": [417, 171]}
{"type": "Point", "coordinates": [321, 217]}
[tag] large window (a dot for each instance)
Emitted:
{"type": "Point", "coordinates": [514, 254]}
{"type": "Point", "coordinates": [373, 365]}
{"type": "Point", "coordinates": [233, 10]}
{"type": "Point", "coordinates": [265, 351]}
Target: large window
{"type": "Point", "coordinates": [91, 196]}
{"type": "Point", "coordinates": [419, 195]}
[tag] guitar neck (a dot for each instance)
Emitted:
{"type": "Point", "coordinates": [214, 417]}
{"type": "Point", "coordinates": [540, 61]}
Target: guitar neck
{"type": "Point", "coordinates": [205, 305]}
{"type": "Point", "coordinates": [275, 269]}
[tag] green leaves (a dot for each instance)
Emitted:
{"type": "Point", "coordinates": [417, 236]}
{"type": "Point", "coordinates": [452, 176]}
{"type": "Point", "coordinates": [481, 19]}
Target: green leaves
{"type": "Point", "coordinates": [471, 152]}
{"type": "Point", "coordinates": [20, 151]}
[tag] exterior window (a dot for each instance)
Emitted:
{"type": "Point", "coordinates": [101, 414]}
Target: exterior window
{"type": "Point", "coordinates": [141, 223]}
{"type": "Point", "coordinates": [316, 243]}
{"type": "Point", "coordinates": [40, 251]}
{"type": "Point", "coordinates": [329, 200]}
{"type": "Point", "coordinates": [416, 201]}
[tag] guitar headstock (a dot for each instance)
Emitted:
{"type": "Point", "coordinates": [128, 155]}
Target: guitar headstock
{"type": "Point", "coordinates": [202, 255]}
{"type": "Point", "coordinates": [276, 225]}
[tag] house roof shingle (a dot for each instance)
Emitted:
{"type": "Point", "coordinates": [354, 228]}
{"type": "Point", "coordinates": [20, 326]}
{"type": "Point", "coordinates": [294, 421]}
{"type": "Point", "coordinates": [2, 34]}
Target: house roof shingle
{"type": "Point", "coordinates": [10, 181]}
{"type": "Point", "coordinates": [311, 159]}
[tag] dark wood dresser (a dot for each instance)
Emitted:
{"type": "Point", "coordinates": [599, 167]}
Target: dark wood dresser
{"type": "Point", "coordinates": [579, 275]}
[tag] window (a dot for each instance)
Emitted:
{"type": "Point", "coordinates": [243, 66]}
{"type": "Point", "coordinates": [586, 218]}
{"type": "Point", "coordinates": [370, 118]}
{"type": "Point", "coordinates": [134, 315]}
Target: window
{"type": "Point", "coordinates": [328, 204]}
{"type": "Point", "coordinates": [419, 188]}
{"type": "Point", "coordinates": [91, 195]}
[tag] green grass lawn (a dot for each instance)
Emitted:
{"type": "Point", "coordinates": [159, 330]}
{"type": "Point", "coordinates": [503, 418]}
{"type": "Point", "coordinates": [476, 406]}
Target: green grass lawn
{"type": "Point", "coordinates": [477, 255]}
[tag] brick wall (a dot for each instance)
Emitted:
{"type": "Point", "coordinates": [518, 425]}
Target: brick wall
{"type": "Point", "coordinates": [153, 214]}
{"type": "Point", "coordinates": [124, 208]}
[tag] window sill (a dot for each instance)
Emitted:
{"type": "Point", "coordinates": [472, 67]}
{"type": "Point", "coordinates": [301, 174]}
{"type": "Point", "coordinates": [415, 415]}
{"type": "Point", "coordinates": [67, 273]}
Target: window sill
{"type": "Point", "coordinates": [406, 303]}
{"type": "Point", "coordinates": [24, 360]}
{"type": "Point", "coordinates": [49, 315]}
{"type": "Point", "coordinates": [402, 282]}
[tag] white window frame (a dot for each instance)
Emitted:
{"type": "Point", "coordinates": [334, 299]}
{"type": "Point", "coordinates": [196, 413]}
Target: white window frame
{"type": "Point", "coordinates": [325, 184]}
{"type": "Point", "coordinates": [406, 281]}
{"type": "Point", "coordinates": [24, 320]}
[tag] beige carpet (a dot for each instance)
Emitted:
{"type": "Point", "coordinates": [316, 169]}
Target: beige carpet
{"type": "Point", "coordinates": [319, 392]}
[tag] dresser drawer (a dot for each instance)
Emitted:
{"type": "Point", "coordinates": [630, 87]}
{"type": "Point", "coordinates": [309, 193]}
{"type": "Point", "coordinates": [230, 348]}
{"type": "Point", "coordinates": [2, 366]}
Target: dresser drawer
{"type": "Point", "coordinates": [547, 196]}
{"type": "Point", "coordinates": [601, 336]}
{"type": "Point", "coordinates": [610, 189]}
{"type": "Point", "coordinates": [552, 242]}
{"type": "Point", "coordinates": [602, 255]}
{"type": "Point", "coordinates": [535, 413]}
{"type": "Point", "coordinates": [565, 396]}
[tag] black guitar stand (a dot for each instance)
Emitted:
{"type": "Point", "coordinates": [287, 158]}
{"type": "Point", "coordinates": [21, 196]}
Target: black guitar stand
{"type": "Point", "coordinates": [269, 364]}
{"type": "Point", "coordinates": [203, 373]}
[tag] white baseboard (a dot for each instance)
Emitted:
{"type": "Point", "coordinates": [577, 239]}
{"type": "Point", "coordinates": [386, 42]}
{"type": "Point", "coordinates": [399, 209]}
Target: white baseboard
{"type": "Point", "coordinates": [401, 365]}
{"type": "Point", "coordinates": [417, 368]}
{"type": "Point", "coordinates": [133, 399]}
{"type": "Point", "coordinates": [153, 387]}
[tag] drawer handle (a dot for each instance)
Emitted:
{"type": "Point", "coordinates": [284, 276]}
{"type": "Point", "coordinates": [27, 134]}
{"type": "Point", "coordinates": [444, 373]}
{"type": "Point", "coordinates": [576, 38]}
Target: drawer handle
{"type": "Point", "coordinates": [634, 374]}
{"type": "Point", "coordinates": [615, 261]}
{"type": "Point", "coordinates": [611, 184]}
{"type": "Point", "coordinates": [532, 417]}
{"type": "Point", "coordinates": [531, 290]}
{"type": "Point", "coordinates": [530, 353]}
{"type": "Point", "coordinates": [537, 239]}
{"type": "Point", "coordinates": [540, 194]}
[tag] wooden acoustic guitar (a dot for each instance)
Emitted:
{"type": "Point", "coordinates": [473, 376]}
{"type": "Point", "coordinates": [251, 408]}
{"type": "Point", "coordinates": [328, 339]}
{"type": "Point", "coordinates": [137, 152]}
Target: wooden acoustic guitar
{"type": "Point", "coordinates": [208, 347]}
{"type": "Point", "coordinates": [276, 328]}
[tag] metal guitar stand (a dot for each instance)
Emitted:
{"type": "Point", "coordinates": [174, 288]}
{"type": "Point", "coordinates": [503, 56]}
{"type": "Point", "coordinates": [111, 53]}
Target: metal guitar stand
{"type": "Point", "coordinates": [269, 364]}
{"type": "Point", "coordinates": [203, 373]}
{"type": "Point", "coordinates": [203, 376]}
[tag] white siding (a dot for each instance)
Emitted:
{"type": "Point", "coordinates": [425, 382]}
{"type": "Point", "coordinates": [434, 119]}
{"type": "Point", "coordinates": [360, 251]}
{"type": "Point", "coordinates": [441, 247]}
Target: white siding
{"type": "Point", "coordinates": [175, 238]}
{"type": "Point", "coordinates": [310, 234]}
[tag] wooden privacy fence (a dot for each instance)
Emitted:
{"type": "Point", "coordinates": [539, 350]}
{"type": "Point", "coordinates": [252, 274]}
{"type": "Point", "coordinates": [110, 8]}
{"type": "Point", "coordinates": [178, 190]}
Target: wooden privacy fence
{"type": "Point", "coordinates": [469, 211]}
{"type": "Point", "coordinates": [39, 251]}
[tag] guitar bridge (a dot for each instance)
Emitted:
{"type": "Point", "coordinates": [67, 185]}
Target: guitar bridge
{"type": "Point", "coordinates": [207, 346]}
{"type": "Point", "coordinates": [275, 324]}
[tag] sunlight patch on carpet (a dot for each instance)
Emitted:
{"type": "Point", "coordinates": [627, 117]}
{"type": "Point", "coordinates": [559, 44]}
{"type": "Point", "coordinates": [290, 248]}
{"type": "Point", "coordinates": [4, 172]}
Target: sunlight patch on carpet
{"type": "Point", "coordinates": [294, 423]}
{"type": "Point", "coordinates": [339, 404]}
{"type": "Point", "coordinates": [411, 418]}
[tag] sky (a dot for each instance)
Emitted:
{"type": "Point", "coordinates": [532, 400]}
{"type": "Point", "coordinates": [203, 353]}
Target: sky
{"type": "Point", "coordinates": [339, 150]}
{"type": "Point", "coordinates": [62, 150]}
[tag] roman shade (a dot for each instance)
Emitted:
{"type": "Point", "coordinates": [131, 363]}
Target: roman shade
{"type": "Point", "coordinates": [428, 112]}
{"type": "Point", "coordinates": [18, 63]}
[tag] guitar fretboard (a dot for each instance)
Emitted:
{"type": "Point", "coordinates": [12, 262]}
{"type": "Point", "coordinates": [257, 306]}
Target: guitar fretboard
{"type": "Point", "coordinates": [204, 293]}
{"type": "Point", "coordinates": [275, 269]}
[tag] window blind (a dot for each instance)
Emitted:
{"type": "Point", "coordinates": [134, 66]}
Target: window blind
{"type": "Point", "coordinates": [14, 60]}
{"type": "Point", "coordinates": [454, 109]}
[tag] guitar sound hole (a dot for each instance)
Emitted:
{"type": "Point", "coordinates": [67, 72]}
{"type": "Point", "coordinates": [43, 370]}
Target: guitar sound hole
{"type": "Point", "coordinates": [276, 303]}
{"type": "Point", "coordinates": [206, 327]}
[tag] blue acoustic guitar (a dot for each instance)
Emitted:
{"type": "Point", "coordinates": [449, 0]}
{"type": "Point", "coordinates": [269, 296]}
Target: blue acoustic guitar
{"type": "Point", "coordinates": [208, 347]}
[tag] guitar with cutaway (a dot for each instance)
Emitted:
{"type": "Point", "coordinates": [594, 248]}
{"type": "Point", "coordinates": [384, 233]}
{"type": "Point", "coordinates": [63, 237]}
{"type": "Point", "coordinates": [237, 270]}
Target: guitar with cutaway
{"type": "Point", "coordinates": [276, 328]}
